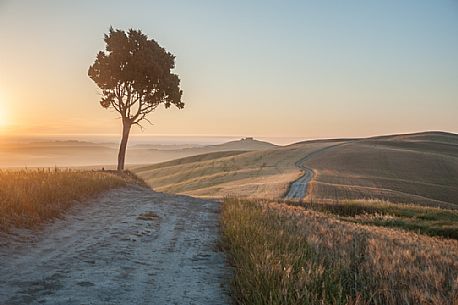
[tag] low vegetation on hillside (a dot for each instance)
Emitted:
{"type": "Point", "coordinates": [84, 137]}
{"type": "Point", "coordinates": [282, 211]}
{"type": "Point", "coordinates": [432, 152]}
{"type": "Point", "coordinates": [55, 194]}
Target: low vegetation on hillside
{"type": "Point", "coordinates": [29, 197]}
{"type": "Point", "coordinates": [284, 254]}
{"type": "Point", "coordinates": [420, 219]}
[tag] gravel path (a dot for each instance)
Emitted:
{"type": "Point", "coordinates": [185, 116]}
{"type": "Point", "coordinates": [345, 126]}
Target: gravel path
{"type": "Point", "coordinates": [129, 246]}
{"type": "Point", "coordinates": [298, 189]}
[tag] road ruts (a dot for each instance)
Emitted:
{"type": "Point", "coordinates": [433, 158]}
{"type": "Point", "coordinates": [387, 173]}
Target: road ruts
{"type": "Point", "coordinates": [129, 246]}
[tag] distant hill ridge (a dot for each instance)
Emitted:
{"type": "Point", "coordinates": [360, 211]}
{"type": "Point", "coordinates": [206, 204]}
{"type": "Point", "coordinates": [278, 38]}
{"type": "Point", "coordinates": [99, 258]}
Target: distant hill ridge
{"type": "Point", "coordinates": [435, 136]}
{"type": "Point", "coordinates": [72, 152]}
{"type": "Point", "coordinates": [248, 143]}
{"type": "Point", "coordinates": [420, 168]}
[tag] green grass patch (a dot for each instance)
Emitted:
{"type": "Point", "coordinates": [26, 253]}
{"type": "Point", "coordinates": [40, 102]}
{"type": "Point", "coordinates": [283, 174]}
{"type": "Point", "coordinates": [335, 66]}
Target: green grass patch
{"type": "Point", "coordinates": [420, 219]}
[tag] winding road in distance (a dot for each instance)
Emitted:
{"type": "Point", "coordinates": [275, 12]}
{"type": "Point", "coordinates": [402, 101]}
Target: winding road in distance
{"type": "Point", "coordinates": [298, 189]}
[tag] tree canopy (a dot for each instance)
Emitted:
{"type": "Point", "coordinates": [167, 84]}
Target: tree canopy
{"type": "Point", "coordinates": [134, 74]}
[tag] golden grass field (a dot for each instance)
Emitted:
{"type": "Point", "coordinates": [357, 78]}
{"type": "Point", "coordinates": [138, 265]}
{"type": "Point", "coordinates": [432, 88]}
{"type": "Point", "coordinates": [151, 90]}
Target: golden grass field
{"type": "Point", "coordinates": [417, 168]}
{"type": "Point", "coordinates": [259, 174]}
{"type": "Point", "coordinates": [29, 197]}
{"type": "Point", "coordinates": [288, 255]}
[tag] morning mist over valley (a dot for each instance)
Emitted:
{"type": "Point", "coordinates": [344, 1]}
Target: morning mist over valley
{"type": "Point", "coordinates": [229, 152]}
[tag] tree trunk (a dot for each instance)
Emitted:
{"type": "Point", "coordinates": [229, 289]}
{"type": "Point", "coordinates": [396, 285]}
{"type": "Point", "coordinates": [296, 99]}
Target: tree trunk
{"type": "Point", "coordinates": [122, 147]}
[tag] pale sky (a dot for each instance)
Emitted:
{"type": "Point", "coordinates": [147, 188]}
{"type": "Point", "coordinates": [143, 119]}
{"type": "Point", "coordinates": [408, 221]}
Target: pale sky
{"type": "Point", "coordinates": [249, 68]}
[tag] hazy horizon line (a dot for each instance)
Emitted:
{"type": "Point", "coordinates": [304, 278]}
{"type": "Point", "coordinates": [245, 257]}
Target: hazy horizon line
{"type": "Point", "coordinates": [180, 139]}
{"type": "Point", "coordinates": [203, 135]}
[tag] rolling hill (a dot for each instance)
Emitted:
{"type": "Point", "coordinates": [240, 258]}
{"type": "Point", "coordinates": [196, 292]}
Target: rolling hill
{"type": "Point", "coordinates": [260, 174]}
{"type": "Point", "coordinates": [420, 168]}
{"type": "Point", "coordinates": [417, 168]}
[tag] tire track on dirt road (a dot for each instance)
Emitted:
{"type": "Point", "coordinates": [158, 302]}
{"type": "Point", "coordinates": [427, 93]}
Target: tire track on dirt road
{"type": "Point", "coordinates": [129, 246]}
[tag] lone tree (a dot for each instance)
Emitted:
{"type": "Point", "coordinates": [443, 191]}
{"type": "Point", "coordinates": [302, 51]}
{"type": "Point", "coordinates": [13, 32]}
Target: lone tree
{"type": "Point", "coordinates": [134, 75]}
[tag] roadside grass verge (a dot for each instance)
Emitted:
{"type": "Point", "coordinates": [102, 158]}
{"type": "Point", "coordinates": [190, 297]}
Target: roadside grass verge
{"type": "Point", "coordinates": [30, 197]}
{"type": "Point", "coordinates": [289, 255]}
{"type": "Point", "coordinates": [420, 219]}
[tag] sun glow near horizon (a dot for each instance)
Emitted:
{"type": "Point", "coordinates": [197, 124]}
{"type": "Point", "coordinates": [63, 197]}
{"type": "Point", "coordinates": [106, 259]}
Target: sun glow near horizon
{"type": "Point", "coordinates": [4, 118]}
{"type": "Point", "coordinates": [315, 70]}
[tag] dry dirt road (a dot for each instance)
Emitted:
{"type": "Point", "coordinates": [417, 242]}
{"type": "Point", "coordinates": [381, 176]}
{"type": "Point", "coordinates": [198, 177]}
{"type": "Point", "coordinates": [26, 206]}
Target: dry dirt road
{"type": "Point", "coordinates": [108, 251]}
{"type": "Point", "coordinates": [298, 189]}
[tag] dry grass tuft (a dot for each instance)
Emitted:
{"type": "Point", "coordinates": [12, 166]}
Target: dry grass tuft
{"type": "Point", "coordinates": [148, 216]}
{"type": "Point", "coordinates": [289, 255]}
{"type": "Point", "coordinates": [29, 197]}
